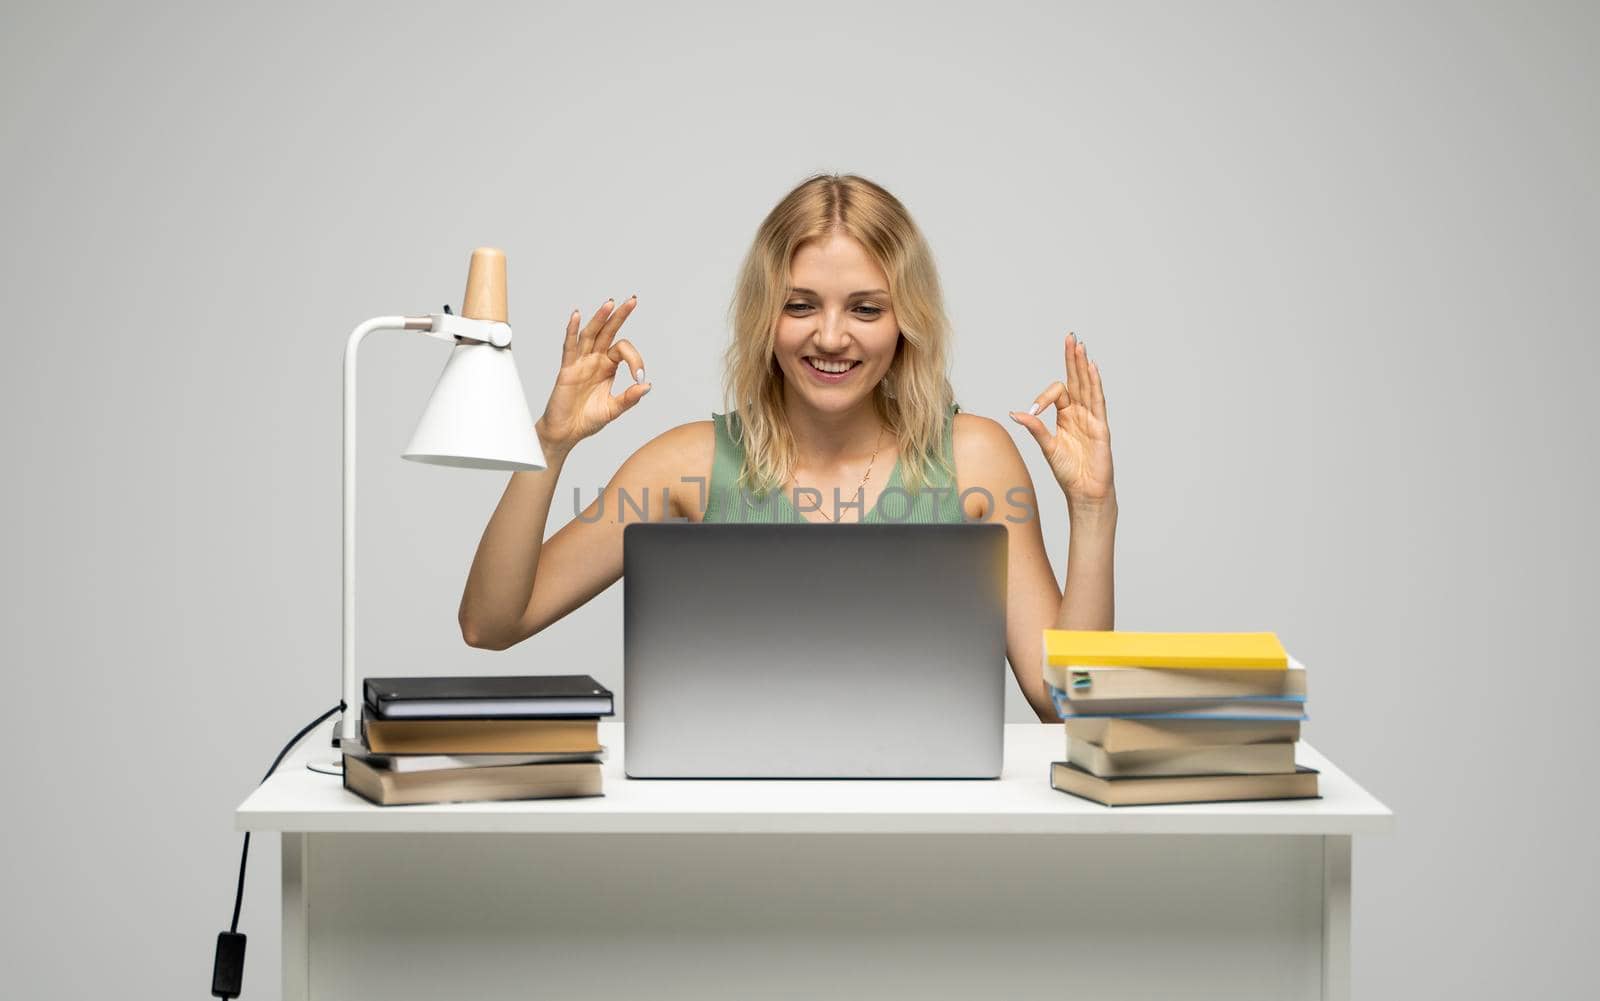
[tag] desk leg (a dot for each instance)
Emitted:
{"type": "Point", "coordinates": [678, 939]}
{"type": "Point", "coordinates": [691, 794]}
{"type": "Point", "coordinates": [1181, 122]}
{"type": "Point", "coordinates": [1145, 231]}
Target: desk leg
{"type": "Point", "coordinates": [1336, 917]}
{"type": "Point", "coordinates": [296, 928]}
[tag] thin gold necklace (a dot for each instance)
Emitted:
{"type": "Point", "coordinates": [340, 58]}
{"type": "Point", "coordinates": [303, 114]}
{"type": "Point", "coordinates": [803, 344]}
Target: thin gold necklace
{"type": "Point", "coordinates": [877, 445]}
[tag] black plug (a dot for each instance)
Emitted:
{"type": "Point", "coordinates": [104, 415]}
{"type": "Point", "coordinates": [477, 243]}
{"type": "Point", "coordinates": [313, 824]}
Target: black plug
{"type": "Point", "coordinates": [227, 973]}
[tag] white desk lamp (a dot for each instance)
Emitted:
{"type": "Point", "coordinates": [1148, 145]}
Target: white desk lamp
{"type": "Point", "coordinates": [477, 417]}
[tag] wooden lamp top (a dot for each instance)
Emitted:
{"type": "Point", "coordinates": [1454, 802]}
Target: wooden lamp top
{"type": "Point", "coordinates": [485, 298]}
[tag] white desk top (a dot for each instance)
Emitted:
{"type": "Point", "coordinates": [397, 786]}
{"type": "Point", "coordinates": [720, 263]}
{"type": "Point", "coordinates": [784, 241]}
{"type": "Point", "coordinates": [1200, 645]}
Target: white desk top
{"type": "Point", "coordinates": [1019, 802]}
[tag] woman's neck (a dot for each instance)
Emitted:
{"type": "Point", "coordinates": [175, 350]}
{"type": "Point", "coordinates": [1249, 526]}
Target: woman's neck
{"type": "Point", "coordinates": [826, 440]}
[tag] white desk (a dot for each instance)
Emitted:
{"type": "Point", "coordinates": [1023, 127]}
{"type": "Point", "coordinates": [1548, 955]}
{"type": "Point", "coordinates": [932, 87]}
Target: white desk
{"type": "Point", "coordinates": [802, 889]}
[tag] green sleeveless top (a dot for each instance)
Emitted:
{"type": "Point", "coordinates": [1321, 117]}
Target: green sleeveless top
{"type": "Point", "coordinates": [937, 502]}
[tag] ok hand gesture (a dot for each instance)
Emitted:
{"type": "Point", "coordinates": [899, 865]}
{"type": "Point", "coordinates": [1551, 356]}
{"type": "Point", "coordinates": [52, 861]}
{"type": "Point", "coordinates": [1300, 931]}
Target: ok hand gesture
{"type": "Point", "coordinates": [581, 402]}
{"type": "Point", "coordinates": [1078, 448]}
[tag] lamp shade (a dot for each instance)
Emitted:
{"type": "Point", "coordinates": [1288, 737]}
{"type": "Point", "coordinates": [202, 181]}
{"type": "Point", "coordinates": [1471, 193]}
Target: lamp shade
{"type": "Point", "coordinates": [478, 415]}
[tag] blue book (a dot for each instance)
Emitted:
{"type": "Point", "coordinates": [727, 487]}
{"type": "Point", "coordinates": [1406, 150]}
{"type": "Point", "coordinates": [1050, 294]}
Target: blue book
{"type": "Point", "coordinates": [1255, 707]}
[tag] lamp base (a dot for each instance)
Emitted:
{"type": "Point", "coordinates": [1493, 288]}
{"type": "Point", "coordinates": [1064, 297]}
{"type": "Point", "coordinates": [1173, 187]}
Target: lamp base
{"type": "Point", "coordinates": [330, 762]}
{"type": "Point", "coordinates": [327, 765]}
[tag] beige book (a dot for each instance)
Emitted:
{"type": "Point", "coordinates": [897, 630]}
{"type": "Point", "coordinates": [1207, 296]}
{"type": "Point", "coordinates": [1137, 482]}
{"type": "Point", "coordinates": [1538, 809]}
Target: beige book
{"type": "Point", "coordinates": [1119, 735]}
{"type": "Point", "coordinates": [1148, 791]}
{"type": "Point", "coordinates": [1088, 684]}
{"type": "Point", "coordinates": [1240, 759]}
{"type": "Point", "coordinates": [436, 762]}
{"type": "Point", "coordinates": [482, 736]}
{"type": "Point", "coordinates": [452, 785]}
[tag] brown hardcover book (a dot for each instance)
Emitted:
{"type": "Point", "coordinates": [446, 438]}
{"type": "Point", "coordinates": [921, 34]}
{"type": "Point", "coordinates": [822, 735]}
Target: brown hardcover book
{"type": "Point", "coordinates": [1149, 791]}
{"type": "Point", "coordinates": [452, 785]}
{"type": "Point", "coordinates": [1119, 735]}
{"type": "Point", "coordinates": [1238, 759]}
{"type": "Point", "coordinates": [481, 736]}
{"type": "Point", "coordinates": [437, 762]}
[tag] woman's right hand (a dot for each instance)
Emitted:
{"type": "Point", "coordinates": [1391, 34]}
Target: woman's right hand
{"type": "Point", "coordinates": [581, 402]}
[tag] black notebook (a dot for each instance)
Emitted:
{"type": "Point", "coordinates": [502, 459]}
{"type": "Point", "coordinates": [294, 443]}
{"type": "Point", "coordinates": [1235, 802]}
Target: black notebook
{"type": "Point", "coordinates": [527, 697]}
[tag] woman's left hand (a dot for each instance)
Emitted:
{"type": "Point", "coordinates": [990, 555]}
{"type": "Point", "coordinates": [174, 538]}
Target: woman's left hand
{"type": "Point", "coordinates": [1079, 447]}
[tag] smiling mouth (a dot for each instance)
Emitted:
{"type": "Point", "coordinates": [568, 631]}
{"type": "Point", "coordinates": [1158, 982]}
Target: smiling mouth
{"type": "Point", "coordinates": [837, 367]}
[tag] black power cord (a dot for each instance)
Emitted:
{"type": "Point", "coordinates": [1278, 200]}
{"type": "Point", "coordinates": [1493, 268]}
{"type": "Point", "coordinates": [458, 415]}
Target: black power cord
{"type": "Point", "coordinates": [227, 970]}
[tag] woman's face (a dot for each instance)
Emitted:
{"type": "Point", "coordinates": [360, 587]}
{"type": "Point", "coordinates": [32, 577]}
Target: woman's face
{"type": "Point", "coordinates": [837, 315]}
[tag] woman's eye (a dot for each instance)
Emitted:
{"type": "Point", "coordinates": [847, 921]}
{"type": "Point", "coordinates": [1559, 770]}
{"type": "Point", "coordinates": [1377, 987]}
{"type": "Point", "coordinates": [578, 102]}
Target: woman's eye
{"type": "Point", "coordinates": [867, 311]}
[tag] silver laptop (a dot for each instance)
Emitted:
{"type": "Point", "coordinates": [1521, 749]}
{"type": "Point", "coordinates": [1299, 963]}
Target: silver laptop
{"type": "Point", "coordinates": [814, 651]}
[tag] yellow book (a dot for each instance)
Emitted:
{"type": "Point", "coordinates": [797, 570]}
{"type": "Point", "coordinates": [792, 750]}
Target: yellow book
{"type": "Point", "coordinates": [1095, 648]}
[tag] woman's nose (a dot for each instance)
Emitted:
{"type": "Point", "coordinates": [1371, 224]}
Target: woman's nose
{"type": "Point", "coordinates": [832, 336]}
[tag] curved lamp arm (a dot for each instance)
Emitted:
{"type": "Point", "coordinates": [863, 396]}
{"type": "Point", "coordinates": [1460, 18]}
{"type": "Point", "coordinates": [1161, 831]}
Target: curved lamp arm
{"type": "Point", "coordinates": [448, 327]}
{"type": "Point", "coordinates": [349, 721]}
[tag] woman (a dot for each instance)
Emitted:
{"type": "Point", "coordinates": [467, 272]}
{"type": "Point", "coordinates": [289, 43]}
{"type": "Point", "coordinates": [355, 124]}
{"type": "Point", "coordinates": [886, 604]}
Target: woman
{"type": "Point", "coordinates": [844, 413]}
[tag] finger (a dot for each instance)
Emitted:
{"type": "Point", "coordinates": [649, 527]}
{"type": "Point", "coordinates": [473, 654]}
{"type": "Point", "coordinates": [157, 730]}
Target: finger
{"type": "Point", "coordinates": [614, 322]}
{"type": "Point", "coordinates": [1055, 396]}
{"type": "Point", "coordinates": [628, 397]}
{"type": "Point", "coordinates": [623, 352]}
{"type": "Point", "coordinates": [1069, 354]}
{"type": "Point", "coordinates": [1078, 373]}
{"type": "Point", "coordinates": [569, 345]}
{"type": "Point", "coordinates": [1085, 379]}
{"type": "Point", "coordinates": [1098, 404]}
{"type": "Point", "coordinates": [586, 339]}
{"type": "Point", "coordinates": [1035, 426]}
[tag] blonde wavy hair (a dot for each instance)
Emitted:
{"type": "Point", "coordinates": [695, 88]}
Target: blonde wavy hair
{"type": "Point", "coordinates": [912, 399]}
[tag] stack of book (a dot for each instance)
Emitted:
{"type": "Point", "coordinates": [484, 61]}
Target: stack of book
{"type": "Point", "coordinates": [441, 740]}
{"type": "Point", "coordinates": [1177, 717]}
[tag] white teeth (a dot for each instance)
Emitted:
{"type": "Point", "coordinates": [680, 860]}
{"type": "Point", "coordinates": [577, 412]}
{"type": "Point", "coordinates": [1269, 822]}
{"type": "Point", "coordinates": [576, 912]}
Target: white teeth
{"type": "Point", "coordinates": [831, 367]}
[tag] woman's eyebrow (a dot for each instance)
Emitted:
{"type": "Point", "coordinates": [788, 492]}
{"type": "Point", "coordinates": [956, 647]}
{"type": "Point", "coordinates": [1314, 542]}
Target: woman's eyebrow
{"type": "Point", "coordinates": [853, 295]}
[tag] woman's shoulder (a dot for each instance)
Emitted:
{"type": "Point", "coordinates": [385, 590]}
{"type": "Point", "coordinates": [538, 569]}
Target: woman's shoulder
{"type": "Point", "coordinates": [986, 455]}
{"type": "Point", "coordinates": [688, 445]}
{"type": "Point", "coordinates": [677, 459]}
{"type": "Point", "coordinates": [972, 432]}
{"type": "Point", "coordinates": [676, 450]}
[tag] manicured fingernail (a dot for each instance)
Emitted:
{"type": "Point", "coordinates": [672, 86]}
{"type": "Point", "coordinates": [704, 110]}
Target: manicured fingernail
{"type": "Point", "coordinates": [638, 376]}
{"type": "Point", "coordinates": [1033, 410]}
{"type": "Point", "coordinates": [646, 390]}
{"type": "Point", "coordinates": [633, 297]}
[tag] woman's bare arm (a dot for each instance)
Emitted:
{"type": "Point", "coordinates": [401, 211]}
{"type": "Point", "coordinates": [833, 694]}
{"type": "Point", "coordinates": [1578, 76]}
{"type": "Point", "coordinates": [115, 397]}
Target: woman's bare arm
{"type": "Point", "coordinates": [1078, 449]}
{"type": "Point", "coordinates": [987, 458]}
{"type": "Point", "coordinates": [498, 605]}
{"type": "Point", "coordinates": [504, 568]}
{"type": "Point", "coordinates": [518, 585]}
